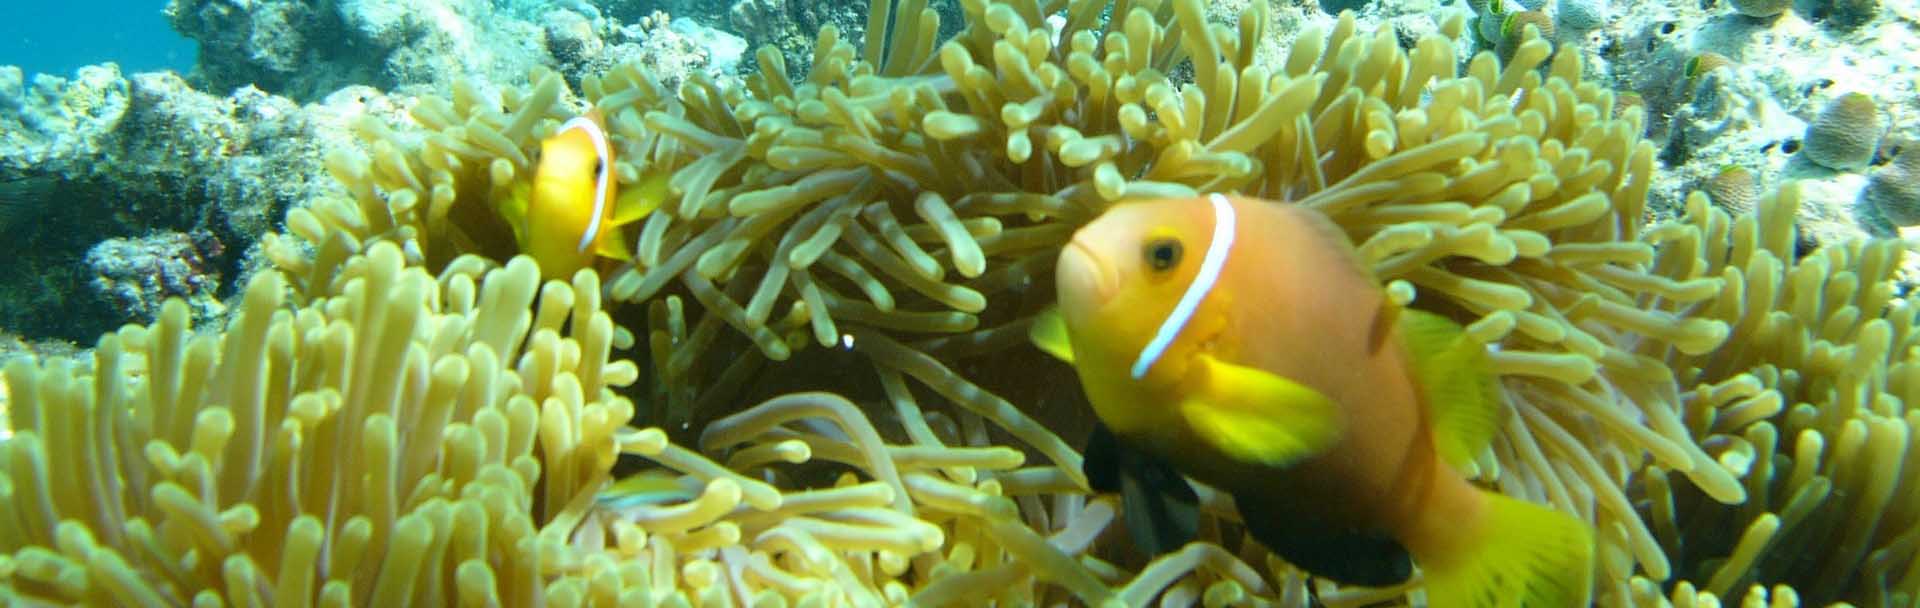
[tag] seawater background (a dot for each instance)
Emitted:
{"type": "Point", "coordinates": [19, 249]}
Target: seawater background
{"type": "Point", "coordinates": [59, 36]}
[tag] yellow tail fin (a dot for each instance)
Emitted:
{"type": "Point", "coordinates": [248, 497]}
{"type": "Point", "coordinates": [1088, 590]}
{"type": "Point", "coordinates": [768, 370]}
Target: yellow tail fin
{"type": "Point", "coordinates": [1525, 555]}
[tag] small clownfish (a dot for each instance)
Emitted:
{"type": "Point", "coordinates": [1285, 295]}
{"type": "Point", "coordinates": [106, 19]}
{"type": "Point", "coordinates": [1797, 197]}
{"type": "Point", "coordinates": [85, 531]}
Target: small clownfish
{"type": "Point", "coordinates": [574, 212]}
{"type": "Point", "coordinates": [1245, 344]}
{"type": "Point", "coordinates": [648, 487]}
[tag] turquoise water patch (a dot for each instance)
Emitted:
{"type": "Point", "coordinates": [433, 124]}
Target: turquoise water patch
{"type": "Point", "coordinates": [57, 37]}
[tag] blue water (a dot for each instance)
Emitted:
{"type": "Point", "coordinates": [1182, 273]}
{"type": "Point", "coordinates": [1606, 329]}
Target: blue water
{"type": "Point", "coordinates": [59, 36]}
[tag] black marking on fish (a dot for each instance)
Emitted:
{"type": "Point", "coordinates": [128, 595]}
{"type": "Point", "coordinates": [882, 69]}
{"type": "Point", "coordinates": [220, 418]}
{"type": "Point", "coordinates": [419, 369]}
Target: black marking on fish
{"type": "Point", "coordinates": [1162, 512]}
{"type": "Point", "coordinates": [1349, 556]}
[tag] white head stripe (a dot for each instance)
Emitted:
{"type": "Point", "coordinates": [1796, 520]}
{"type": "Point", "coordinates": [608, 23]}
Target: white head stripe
{"type": "Point", "coordinates": [604, 150]}
{"type": "Point", "coordinates": [1203, 282]}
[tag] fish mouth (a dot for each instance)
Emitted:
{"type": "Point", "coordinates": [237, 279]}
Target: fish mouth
{"type": "Point", "coordinates": [1085, 282]}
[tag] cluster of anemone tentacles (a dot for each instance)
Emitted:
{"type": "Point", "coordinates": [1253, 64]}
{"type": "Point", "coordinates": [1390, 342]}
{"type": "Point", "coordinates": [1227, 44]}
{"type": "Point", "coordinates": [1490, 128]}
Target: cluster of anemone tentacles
{"type": "Point", "coordinates": [401, 411]}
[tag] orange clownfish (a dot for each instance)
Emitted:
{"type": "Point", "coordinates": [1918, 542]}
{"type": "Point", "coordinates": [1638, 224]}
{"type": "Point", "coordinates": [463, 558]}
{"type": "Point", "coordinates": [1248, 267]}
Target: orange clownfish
{"type": "Point", "coordinates": [1245, 344]}
{"type": "Point", "coordinates": [574, 212]}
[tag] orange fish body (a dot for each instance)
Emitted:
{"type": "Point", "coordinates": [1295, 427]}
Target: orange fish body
{"type": "Point", "coordinates": [1325, 302]}
{"type": "Point", "coordinates": [571, 214]}
{"type": "Point", "coordinates": [1246, 344]}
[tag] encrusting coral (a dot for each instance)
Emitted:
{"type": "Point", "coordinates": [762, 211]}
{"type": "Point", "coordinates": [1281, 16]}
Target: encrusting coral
{"type": "Point", "coordinates": [904, 201]}
{"type": "Point", "coordinates": [1894, 188]}
{"type": "Point", "coordinates": [1734, 188]}
{"type": "Point", "coordinates": [1845, 134]}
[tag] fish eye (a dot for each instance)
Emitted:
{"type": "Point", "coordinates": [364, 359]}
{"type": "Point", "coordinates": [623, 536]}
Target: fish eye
{"type": "Point", "coordinates": [1162, 254]}
{"type": "Point", "coordinates": [599, 167]}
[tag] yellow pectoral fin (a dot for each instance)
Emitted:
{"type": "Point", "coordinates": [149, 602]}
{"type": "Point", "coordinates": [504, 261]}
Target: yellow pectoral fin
{"type": "Point", "coordinates": [613, 244]}
{"type": "Point", "coordinates": [1049, 332]}
{"type": "Point", "coordinates": [643, 198]}
{"type": "Point", "coordinates": [1255, 416]}
{"type": "Point", "coordinates": [513, 209]}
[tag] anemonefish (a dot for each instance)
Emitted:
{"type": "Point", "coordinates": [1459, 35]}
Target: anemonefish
{"type": "Point", "coordinates": [572, 212]}
{"type": "Point", "coordinates": [649, 487]}
{"type": "Point", "coordinates": [1244, 344]}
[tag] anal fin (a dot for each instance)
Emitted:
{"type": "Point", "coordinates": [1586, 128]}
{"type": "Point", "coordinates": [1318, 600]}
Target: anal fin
{"type": "Point", "coordinates": [1345, 555]}
{"type": "Point", "coordinates": [1518, 554]}
{"type": "Point", "coordinates": [1102, 463]}
{"type": "Point", "coordinates": [1161, 510]}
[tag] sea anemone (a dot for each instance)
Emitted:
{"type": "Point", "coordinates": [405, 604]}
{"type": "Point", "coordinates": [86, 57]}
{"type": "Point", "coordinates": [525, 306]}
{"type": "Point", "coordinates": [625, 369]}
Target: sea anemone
{"type": "Point", "coordinates": [895, 211]}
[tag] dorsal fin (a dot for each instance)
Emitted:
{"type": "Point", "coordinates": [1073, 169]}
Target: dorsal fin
{"type": "Point", "coordinates": [1453, 375]}
{"type": "Point", "coordinates": [1385, 320]}
{"type": "Point", "coordinates": [1332, 235]}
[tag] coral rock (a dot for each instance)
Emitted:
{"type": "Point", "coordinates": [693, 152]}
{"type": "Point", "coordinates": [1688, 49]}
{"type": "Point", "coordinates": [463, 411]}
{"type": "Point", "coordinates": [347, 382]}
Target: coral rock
{"type": "Point", "coordinates": [1734, 189]}
{"type": "Point", "coordinates": [1761, 8]}
{"type": "Point", "coordinates": [1581, 15]}
{"type": "Point", "coordinates": [1846, 133]}
{"type": "Point", "coordinates": [306, 50]}
{"type": "Point", "coordinates": [1513, 27]}
{"type": "Point", "coordinates": [137, 275]}
{"type": "Point", "coordinates": [133, 156]}
{"type": "Point", "coordinates": [1894, 189]}
{"type": "Point", "coordinates": [571, 37]}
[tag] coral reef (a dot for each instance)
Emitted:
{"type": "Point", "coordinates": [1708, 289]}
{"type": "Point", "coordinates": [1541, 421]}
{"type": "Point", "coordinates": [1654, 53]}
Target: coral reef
{"type": "Point", "coordinates": [1894, 189]}
{"type": "Point", "coordinates": [571, 38]}
{"type": "Point", "coordinates": [1733, 189]}
{"type": "Point", "coordinates": [1781, 68]}
{"type": "Point", "coordinates": [137, 275]}
{"type": "Point", "coordinates": [1845, 134]}
{"type": "Point", "coordinates": [671, 49]}
{"type": "Point", "coordinates": [1731, 117]}
{"type": "Point", "coordinates": [1512, 30]}
{"type": "Point", "coordinates": [401, 410]}
{"type": "Point", "coordinates": [1761, 8]}
{"type": "Point", "coordinates": [791, 25]}
{"type": "Point", "coordinates": [297, 48]}
{"type": "Point", "coordinates": [58, 117]}
{"type": "Point", "coordinates": [132, 157]}
{"type": "Point", "coordinates": [307, 50]}
{"type": "Point", "coordinates": [1581, 16]}
{"type": "Point", "coordinates": [275, 45]}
